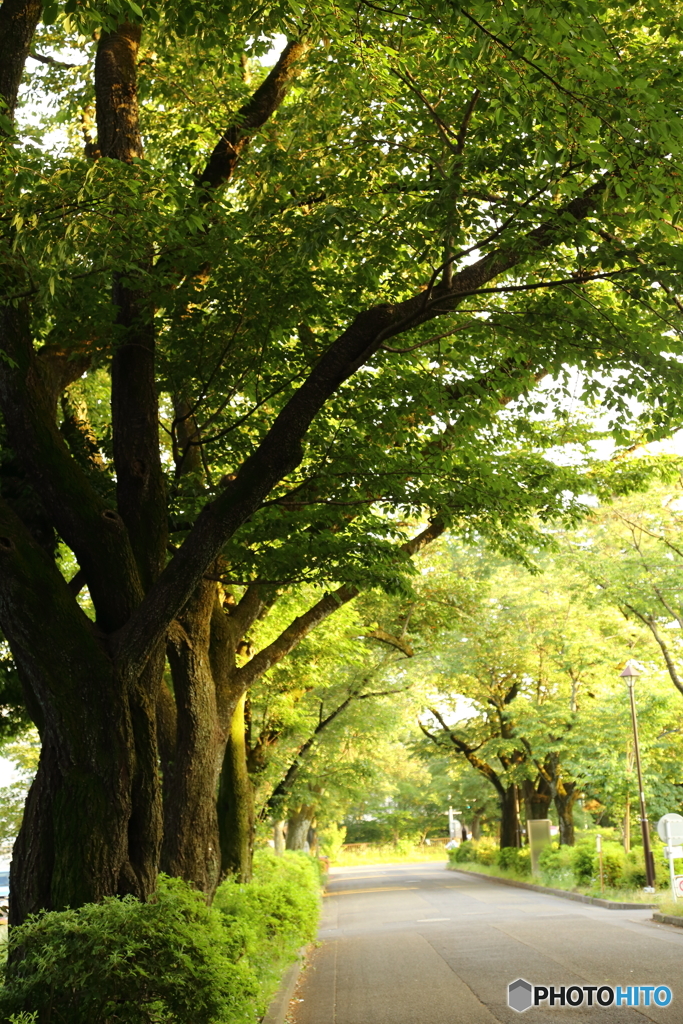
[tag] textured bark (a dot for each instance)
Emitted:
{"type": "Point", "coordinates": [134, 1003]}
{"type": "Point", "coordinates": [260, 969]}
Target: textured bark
{"type": "Point", "coordinates": [118, 131]}
{"type": "Point", "coordinates": [537, 796]}
{"type": "Point", "coordinates": [509, 817]}
{"type": "Point", "coordinates": [236, 804]}
{"type": "Point", "coordinates": [74, 842]}
{"type": "Point", "coordinates": [279, 836]}
{"type": "Point", "coordinates": [298, 824]}
{"type": "Point", "coordinates": [18, 21]}
{"type": "Point", "coordinates": [140, 488]}
{"type": "Point", "coordinates": [254, 114]}
{"type": "Point", "coordinates": [191, 846]}
{"type": "Point", "coordinates": [566, 796]}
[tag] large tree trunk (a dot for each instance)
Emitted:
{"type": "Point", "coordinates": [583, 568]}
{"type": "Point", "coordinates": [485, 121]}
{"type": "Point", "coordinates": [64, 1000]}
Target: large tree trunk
{"type": "Point", "coordinates": [298, 824]}
{"type": "Point", "coordinates": [236, 804]}
{"type": "Point", "coordinates": [565, 798]}
{"type": "Point", "coordinates": [191, 847]}
{"type": "Point", "coordinates": [537, 797]}
{"type": "Point", "coordinates": [509, 818]}
{"type": "Point", "coordinates": [279, 836]}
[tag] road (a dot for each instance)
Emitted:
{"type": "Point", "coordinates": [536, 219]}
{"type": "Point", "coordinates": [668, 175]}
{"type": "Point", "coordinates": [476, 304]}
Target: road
{"type": "Point", "coordinates": [418, 944]}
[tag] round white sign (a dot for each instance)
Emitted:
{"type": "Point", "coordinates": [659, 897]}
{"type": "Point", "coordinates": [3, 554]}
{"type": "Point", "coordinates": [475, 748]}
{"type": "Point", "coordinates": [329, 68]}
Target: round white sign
{"type": "Point", "coordinates": [678, 884]}
{"type": "Point", "coordinates": [670, 829]}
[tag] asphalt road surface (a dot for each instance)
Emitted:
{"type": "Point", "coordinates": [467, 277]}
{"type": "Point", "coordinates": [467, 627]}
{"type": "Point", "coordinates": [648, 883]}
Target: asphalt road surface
{"type": "Point", "coordinates": [418, 944]}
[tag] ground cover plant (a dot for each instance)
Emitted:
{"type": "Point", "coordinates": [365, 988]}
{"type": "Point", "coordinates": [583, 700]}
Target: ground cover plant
{"type": "Point", "coordinates": [575, 868]}
{"type": "Point", "coordinates": [169, 960]}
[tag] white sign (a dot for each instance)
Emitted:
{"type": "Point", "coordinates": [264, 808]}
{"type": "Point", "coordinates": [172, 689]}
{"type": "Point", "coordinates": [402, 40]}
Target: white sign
{"type": "Point", "coordinates": [678, 885]}
{"type": "Point", "coordinates": [670, 828]}
{"type": "Point", "coordinates": [673, 851]}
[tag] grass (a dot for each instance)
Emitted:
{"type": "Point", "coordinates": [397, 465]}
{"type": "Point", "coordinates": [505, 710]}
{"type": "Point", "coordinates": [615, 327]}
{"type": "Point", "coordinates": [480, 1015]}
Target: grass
{"type": "Point", "coordinates": [388, 854]}
{"type": "Point", "coordinates": [615, 895]}
{"type": "Point", "coordinates": [668, 905]}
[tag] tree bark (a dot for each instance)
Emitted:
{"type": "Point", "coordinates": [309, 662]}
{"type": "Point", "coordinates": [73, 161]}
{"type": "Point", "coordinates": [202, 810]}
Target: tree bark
{"type": "Point", "coordinates": [298, 824]}
{"type": "Point", "coordinates": [18, 21]}
{"type": "Point", "coordinates": [279, 836]}
{"type": "Point", "coordinates": [566, 796]}
{"type": "Point", "coordinates": [509, 817]}
{"type": "Point", "coordinates": [191, 846]}
{"type": "Point", "coordinates": [236, 804]}
{"type": "Point", "coordinates": [537, 797]}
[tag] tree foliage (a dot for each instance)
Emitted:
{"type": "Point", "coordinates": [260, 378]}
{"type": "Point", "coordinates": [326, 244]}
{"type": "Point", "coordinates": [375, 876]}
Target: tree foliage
{"type": "Point", "coordinates": [259, 323]}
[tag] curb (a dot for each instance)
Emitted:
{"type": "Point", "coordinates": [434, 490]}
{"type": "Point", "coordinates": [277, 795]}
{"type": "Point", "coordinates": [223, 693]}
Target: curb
{"type": "Point", "coordinates": [676, 921]}
{"type": "Point", "coordinates": [578, 897]}
{"type": "Point", "coordinates": [277, 1011]}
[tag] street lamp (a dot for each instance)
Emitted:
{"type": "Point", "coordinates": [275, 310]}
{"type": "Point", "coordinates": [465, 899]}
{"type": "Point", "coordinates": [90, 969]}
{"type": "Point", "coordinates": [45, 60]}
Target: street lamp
{"type": "Point", "coordinates": [630, 674]}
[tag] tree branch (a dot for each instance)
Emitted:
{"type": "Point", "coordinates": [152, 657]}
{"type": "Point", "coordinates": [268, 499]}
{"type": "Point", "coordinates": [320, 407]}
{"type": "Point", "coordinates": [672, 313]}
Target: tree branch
{"type": "Point", "coordinates": [93, 530]}
{"type": "Point", "coordinates": [281, 450]}
{"type": "Point", "coordinates": [18, 21]}
{"type": "Point", "coordinates": [253, 115]}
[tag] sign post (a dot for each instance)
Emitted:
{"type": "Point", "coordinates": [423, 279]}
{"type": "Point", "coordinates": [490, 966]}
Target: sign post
{"type": "Point", "coordinates": [670, 829]}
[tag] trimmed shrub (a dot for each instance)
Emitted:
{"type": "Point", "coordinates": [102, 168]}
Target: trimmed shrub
{"type": "Point", "coordinates": [634, 876]}
{"type": "Point", "coordinates": [270, 918]}
{"type": "Point", "coordinates": [169, 961]}
{"type": "Point", "coordinates": [463, 853]}
{"type": "Point", "coordinates": [613, 863]}
{"type": "Point", "coordinates": [129, 961]}
{"type": "Point", "coordinates": [582, 862]}
{"type": "Point", "coordinates": [556, 865]}
{"type": "Point", "coordinates": [515, 860]}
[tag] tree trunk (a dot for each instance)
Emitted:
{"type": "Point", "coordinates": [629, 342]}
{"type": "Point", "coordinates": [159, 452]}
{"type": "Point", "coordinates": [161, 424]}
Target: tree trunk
{"type": "Point", "coordinates": [298, 824]}
{"type": "Point", "coordinates": [476, 826]}
{"type": "Point", "coordinates": [537, 797]}
{"type": "Point", "coordinates": [509, 818]}
{"type": "Point", "coordinates": [565, 798]}
{"type": "Point", "coordinates": [236, 803]}
{"type": "Point", "coordinates": [191, 847]}
{"type": "Point", "coordinates": [279, 836]}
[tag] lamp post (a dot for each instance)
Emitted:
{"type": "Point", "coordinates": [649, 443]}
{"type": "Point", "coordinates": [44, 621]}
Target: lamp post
{"type": "Point", "coordinates": [630, 674]}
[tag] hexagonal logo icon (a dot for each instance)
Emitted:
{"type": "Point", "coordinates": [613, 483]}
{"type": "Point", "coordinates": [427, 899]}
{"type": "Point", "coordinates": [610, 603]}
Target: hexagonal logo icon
{"type": "Point", "coordinates": [520, 995]}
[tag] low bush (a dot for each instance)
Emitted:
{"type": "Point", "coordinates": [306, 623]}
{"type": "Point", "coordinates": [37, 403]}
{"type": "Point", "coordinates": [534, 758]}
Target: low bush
{"type": "Point", "coordinates": [168, 961]}
{"type": "Point", "coordinates": [478, 851]}
{"type": "Point", "coordinates": [556, 865]}
{"type": "Point", "coordinates": [583, 862]}
{"type": "Point", "coordinates": [634, 876]}
{"type": "Point", "coordinates": [613, 863]}
{"type": "Point", "coordinates": [486, 850]}
{"type": "Point", "coordinates": [463, 853]}
{"type": "Point", "coordinates": [515, 860]}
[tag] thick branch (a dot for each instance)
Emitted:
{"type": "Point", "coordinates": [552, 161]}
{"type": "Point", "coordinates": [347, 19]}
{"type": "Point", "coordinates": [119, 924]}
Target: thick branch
{"type": "Point", "coordinates": [18, 20]}
{"type": "Point", "coordinates": [140, 487]}
{"type": "Point", "coordinates": [648, 621]}
{"type": "Point", "coordinates": [118, 131]}
{"type": "Point", "coordinates": [253, 115]}
{"type": "Point", "coordinates": [39, 617]}
{"type": "Point", "coordinates": [477, 763]}
{"type": "Point", "coordinates": [297, 630]}
{"type": "Point", "coordinates": [281, 449]}
{"type": "Point", "coordinates": [94, 531]}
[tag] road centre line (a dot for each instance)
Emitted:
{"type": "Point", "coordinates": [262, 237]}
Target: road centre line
{"type": "Point", "coordinates": [383, 888]}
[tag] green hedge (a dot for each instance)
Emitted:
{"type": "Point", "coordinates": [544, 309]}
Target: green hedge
{"type": "Point", "coordinates": [580, 865]}
{"type": "Point", "coordinates": [172, 960]}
